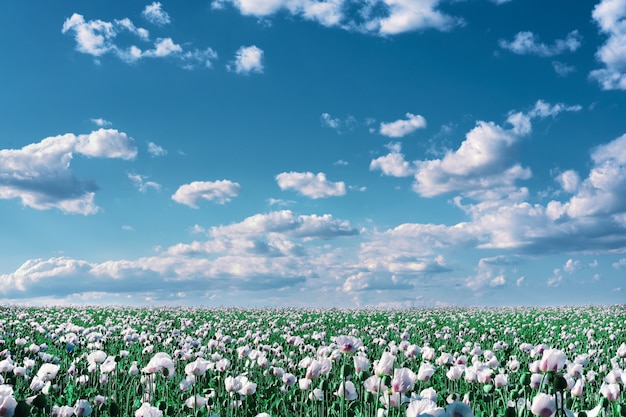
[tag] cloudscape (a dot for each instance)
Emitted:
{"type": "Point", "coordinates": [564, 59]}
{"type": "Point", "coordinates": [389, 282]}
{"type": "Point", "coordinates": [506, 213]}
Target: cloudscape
{"type": "Point", "coordinates": [313, 153]}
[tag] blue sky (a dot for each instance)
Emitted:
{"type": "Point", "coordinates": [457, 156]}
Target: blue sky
{"type": "Point", "coordinates": [391, 153]}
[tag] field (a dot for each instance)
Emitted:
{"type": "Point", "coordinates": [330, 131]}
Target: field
{"type": "Point", "coordinates": [452, 362]}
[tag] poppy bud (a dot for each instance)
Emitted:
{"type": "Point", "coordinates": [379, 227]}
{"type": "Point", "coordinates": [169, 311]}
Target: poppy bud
{"type": "Point", "coordinates": [559, 383]}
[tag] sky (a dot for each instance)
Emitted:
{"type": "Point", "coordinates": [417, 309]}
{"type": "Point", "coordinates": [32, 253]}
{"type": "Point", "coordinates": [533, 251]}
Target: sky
{"type": "Point", "coordinates": [302, 153]}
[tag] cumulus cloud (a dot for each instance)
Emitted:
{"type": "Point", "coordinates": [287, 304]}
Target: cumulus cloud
{"type": "Point", "coordinates": [39, 174]}
{"type": "Point", "coordinates": [310, 185]}
{"type": "Point", "coordinates": [403, 127]}
{"type": "Point", "coordinates": [610, 15]}
{"type": "Point", "coordinates": [483, 161]}
{"type": "Point", "coordinates": [393, 164]}
{"type": "Point", "coordinates": [220, 192]}
{"type": "Point", "coordinates": [382, 17]}
{"type": "Point", "coordinates": [154, 14]}
{"type": "Point", "coordinates": [527, 43]}
{"type": "Point", "coordinates": [247, 59]}
{"type": "Point", "coordinates": [98, 38]}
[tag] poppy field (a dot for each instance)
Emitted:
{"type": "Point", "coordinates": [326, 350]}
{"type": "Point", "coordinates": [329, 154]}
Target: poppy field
{"type": "Point", "coordinates": [450, 362]}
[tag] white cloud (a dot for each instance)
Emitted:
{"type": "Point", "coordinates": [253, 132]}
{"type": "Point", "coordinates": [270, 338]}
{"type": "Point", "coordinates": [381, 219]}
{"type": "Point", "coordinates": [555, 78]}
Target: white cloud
{"type": "Point", "coordinates": [97, 38]}
{"type": "Point", "coordinates": [527, 43]}
{"type": "Point", "coordinates": [154, 14]}
{"type": "Point", "coordinates": [409, 15]}
{"type": "Point", "coordinates": [403, 127]}
{"type": "Point", "coordinates": [101, 122]}
{"type": "Point", "coordinates": [310, 185]}
{"type": "Point", "coordinates": [569, 181]}
{"type": "Point", "coordinates": [383, 17]}
{"type": "Point", "coordinates": [248, 59]}
{"type": "Point", "coordinates": [393, 164]}
{"type": "Point", "coordinates": [562, 68]}
{"type": "Point", "coordinates": [610, 15]}
{"type": "Point", "coordinates": [264, 252]}
{"type": "Point", "coordinates": [39, 174]}
{"type": "Point", "coordinates": [142, 185]}
{"type": "Point", "coordinates": [329, 121]}
{"type": "Point", "coordinates": [489, 271]}
{"type": "Point", "coordinates": [163, 47]}
{"type": "Point", "coordinates": [601, 193]}
{"type": "Point", "coordinates": [155, 150]}
{"type": "Point", "coordinates": [572, 266]}
{"type": "Point", "coordinates": [619, 264]}
{"type": "Point", "coordinates": [481, 163]}
{"type": "Point", "coordinates": [219, 191]}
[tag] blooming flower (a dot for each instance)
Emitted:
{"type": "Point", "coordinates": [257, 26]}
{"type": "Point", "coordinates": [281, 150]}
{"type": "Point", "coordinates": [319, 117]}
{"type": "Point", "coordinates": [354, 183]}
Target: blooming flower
{"type": "Point", "coordinates": [610, 391]}
{"type": "Point", "coordinates": [361, 363]}
{"type": "Point", "coordinates": [552, 360]}
{"type": "Point", "coordinates": [543, 405]}
{"type": "Point", "coordinates": [373, 383]}
{"type": "Point", "coordinates": [48, 371]}
{"type": "Point", "coordinates": [455, 372]}
{"type": "Point", "coordinates": [578, 388]}
{"type": "Point", "coordinates": [347, 390]}
{"type": "Point", "coordinates": [403, 380]}
{"type": "Point", "coordinates": [232, 384]}
{"type": "Point", "coordinates": [348, 344]}
{"type": "Point", "coordinates": [161, 361]}
{"type": "Point", "coordinates": [425, 371]}
{"type": "Point", "coordinates": [147, 410]}
{"type": "Point", "coordinates": [423, 407]}
{"type": "Point", "coordinates": [384, 366]}
{"type": "Point", "coordinates": [197, 367]}
{"type": "Point", "coordinates": [7, 401]}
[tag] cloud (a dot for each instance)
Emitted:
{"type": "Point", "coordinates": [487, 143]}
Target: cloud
{"type": "Point", "coordinates": [156, 150]}
{"type": "Point", "coordinates": [142, 185]}
{"type": "Point", "coordinates": [101, 122]}
{"type": "Point", "coordinates": [337, 123]}
{"type": "Point", "coordinates": [619, 264]}
{"type": "Point", "coordinates": [490, 272]}
{"type": "Point", "coordinates": [310, 185]}
{"type": "Point", "coordinates": [482, 163]}
{"type": "Point", "coordinates": [329, 121]}
{"type": "Point", "coordinates": [220, 192]}
{"type": "Point", "coordinates": [98, 38]}
{"type": "Point", "coordinates": [248, 59]}
{"type": "Point", "coordinates": [403, 127]}
{"type": "Point", "coordinates": [610, 15]}
{"type": "Point", "coordinates": [264, 252]}
{"type": "Point", "coordinates": [39, 174]}
{"type": "Point", "coordinates": [382, 17]}
{"type": "Point", "coordinates": [562, 69]}
{"type": "Point", "coordinates": [154, 14]}
{"type": "Point", "coordinates": [572, 266]}
{"type": "Point", "coordinates": [527, 43]}
{"type": "Point", "coordinates": [288, 223]}
{"type": "Point", "coordinates": [393, 164]}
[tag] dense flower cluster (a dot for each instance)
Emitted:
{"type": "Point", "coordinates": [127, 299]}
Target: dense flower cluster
{"type": "Point", "coordinates": [64, 362]}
